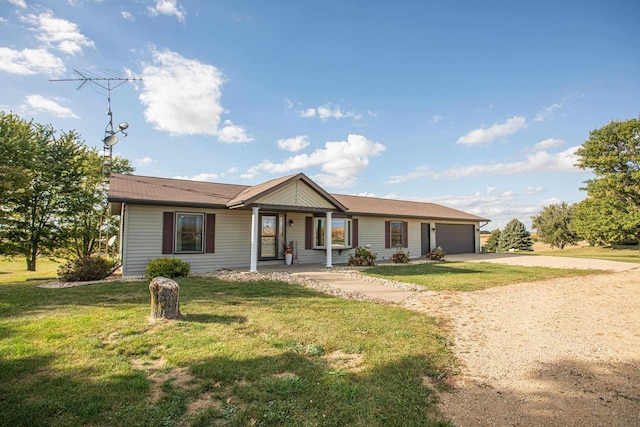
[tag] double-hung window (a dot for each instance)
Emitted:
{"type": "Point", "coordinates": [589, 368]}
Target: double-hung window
{"type": "Point", "coordinates": [397, 230]}
{"type": "Point", "coordinates": [189, 233]}
{"type": "Point", "coordinates": [341, 233]}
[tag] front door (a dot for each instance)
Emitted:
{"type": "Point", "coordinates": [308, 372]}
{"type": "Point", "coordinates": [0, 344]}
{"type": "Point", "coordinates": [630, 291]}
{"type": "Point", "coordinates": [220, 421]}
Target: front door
{"type": "Point", "coordinates": [425, 238]}
{"type": "Point", "coordinates": [272, 236]}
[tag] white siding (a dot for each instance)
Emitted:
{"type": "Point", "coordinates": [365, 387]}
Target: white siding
{"type": "Point", "coordinates": [143, 239]}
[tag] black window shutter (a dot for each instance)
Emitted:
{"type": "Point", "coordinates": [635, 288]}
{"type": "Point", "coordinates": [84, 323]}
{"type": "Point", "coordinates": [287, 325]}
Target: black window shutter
{"type": "Point", "coordinates": [308, 232]}
{"type": "Point", "coordinates": [167, 232]}
{"type": "Point", "coordinates": [405, 234]}
{"type": "Point", "coordinates": [387, 234]}
{"type": "Point", "coordinates": [210, 239]}
{"type": "Point", "coordinates": [354, 231]}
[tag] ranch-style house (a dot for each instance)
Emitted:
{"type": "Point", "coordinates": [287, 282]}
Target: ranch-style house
{"type": "Point", "coordinates": [214, 226]}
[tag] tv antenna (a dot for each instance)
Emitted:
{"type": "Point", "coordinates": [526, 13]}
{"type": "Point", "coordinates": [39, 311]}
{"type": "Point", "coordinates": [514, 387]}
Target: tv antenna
{"type": "Point", "coordinates": [107, 80]}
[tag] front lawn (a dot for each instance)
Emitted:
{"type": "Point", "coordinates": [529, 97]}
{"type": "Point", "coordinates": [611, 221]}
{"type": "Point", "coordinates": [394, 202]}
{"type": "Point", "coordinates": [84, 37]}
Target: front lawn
{"type": "Point", "coordinates": [262, 353]}
{"type": "Point", "coordinates": [469, 276]}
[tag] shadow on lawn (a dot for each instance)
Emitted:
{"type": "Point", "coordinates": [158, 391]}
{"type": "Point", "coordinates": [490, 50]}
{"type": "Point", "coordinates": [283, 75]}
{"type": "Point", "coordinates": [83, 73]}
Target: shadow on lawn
{"type": "Point", "coordinates": [566, 392]}
{"type": "Point", "coordinates": [287, 389]}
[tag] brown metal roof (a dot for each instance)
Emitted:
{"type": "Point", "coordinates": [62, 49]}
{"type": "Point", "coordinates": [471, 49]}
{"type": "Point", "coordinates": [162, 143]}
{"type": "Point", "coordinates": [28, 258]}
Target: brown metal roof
{"type": "Point", "coordinates": [167, 191]}
{"type": "Point", "coordinates": [390, 207]}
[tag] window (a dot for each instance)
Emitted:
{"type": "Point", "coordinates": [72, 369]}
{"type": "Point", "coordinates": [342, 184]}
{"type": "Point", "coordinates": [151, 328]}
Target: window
{"type": "Point", "coordinates": [341, 232]}
{"type": "Point", "coordinates": [396, 234]}
{"type": "Point", "coordinates": [189, 232]}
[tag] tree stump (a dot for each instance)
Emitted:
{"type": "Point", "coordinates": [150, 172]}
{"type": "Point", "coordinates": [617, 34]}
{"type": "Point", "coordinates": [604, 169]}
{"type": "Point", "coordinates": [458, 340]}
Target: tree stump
{"type": "Point", "coordinates": [164, 298]}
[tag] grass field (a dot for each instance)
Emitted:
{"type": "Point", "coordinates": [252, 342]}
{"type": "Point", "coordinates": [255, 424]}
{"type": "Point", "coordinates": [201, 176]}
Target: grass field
{"type": "Point", "coordinates": [626, 254]}
{"type": "Point", "coordinates": [461, 276]}
{"type": "Point", "coordinates": [15, 269]}
{"type": "Point", "coordinates": [262, 353]}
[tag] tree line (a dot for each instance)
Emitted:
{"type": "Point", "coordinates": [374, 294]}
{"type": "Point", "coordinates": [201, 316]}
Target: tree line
{"type": "Point", "coordinates": [610, 213]}
{"type": "Point", "coordinates": [53, 192]}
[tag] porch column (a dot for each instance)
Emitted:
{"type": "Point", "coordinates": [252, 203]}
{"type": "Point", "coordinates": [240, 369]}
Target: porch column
{"type": "Point", "coordinates": [327, 238]}
{"type": "Point", "coordinates": [254, 240]}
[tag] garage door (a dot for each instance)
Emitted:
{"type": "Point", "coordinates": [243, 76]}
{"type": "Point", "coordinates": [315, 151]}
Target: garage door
{"type": "Point", "coordinates": [456, 238]}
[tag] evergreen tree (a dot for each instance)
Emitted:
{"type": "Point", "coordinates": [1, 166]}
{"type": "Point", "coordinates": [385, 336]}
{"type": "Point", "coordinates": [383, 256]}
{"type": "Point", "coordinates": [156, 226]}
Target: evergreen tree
{"type": "Point", "coordinates": [515, 236]}
{"type": "Point", "coordinates": [492, 242]}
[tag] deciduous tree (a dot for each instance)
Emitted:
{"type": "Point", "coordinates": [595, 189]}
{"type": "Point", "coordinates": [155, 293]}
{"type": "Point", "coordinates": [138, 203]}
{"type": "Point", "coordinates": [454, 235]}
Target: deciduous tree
{"type": "Point", "coordinates": [613, 202]}
{"type": "Point", "coordinates": [35, 205]}
{"type": "Point", "coordinates": [554, 225]}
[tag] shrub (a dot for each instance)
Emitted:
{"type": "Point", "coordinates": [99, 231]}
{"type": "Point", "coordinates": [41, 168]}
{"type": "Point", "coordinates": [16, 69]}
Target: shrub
{"type": "Point", "coordinates": [436, 255]}
{"type": "Point", "coordinates": [84, 269]}
{"type": "Point", "coordinates": [362, 257]}
{"type": "Point", "coordinates": [400, 257]}
{"type": "Point", "coordinates": [167, 267]}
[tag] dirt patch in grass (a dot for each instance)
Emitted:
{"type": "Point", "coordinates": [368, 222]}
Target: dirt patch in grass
{"type": "Point", "coordinates": [344, 361]}
{"type": "Point", "coordinates": [556, 352]}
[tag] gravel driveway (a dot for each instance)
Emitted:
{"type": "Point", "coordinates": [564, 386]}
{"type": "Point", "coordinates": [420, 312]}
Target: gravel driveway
{"type": "Point", "coordinates": [563, 352]}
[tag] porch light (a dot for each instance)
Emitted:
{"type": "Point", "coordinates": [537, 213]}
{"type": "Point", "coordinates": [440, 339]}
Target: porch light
{"type": "Point", "coordinates": [291, 223]}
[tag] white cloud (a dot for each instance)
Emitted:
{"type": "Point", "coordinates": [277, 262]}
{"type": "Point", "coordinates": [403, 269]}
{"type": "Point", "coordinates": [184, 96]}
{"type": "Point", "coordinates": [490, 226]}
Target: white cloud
{"type": "Point", "coordinates": [127, 16]}
{"type": "Point", "coordinates": [548, 112]}
{"type": "Point", "coordinates": [539, 162]}
{"type": "Point", "coordinates": [39, 104]}
{"type": "Point", "coordinates": [486, 135]}
{"type": "Point", "coordinates": [328, 111]}
{"type": "Point", "coordinates": [296, 143]}
{"type": "Point", "coordinates": [181, 96]}
{"type": "Point", "coordinates": [145, 161]}
{"type": "Point", "coordinates": [340, 162]}
{"type": "Point", "coordinates": [30, 61]}
{"type": "Point", "coordinates": [436, 118]}
{"type": "Point", "coordinates": [19, 3]}
{"type": "Point", "coordinates": [233, 134]}
{"type": "Point", "coordinates": [530, 191]}
{"type": "Point", "coordinates": [169, 8]}
{"type": "Point", "coordinates": [200, 177]}
{"type": "Point", "coordinates": [418, 172]}
{"type": "Point", "coordinates": [367, 194]}
{"type": "Point", "coordinates": [58, 34]}
{"type": "Point", "coordinates": [547, 143]}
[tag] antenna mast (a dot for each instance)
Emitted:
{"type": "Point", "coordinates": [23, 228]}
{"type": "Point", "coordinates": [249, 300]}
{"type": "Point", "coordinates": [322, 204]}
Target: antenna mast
{"type": "Point", "coordinates": [107, 80]}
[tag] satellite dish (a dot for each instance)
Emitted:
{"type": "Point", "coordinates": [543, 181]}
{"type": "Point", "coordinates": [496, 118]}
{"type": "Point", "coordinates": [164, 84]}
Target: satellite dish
{"type": "Point", "coordinates": [123, 126]}
{"type": "Point", "coordinates": [111, 240]}
{"type": "Point", "coordinates": [110, 140]}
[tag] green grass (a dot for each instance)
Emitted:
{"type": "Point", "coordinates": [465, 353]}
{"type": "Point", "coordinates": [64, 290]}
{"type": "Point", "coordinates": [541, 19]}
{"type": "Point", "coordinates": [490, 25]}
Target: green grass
{"type": "Point", "coordinates": [471, 276]}
{"type": "Point", "coordinates": [624, 254]}
{"type": "Point", "coordinates": [14, 269]}
{"type": "Point", "coordinates": [264, 353]}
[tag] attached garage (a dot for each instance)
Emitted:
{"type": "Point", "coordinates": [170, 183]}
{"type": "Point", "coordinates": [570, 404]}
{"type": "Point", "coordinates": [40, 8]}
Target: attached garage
{"type": "Point", "coordinates": [456, 238]}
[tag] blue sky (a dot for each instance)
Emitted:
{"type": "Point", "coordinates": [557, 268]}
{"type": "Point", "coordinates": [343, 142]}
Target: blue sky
{"type": "Point", "coordinates": [475, 105]}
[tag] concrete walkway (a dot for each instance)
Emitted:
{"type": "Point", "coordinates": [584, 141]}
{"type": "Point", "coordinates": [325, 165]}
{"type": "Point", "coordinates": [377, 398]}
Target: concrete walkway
{"type": "Point", "coordinates": [350, 282]}
{"type": "Point", "coordinates": [354, 284]}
